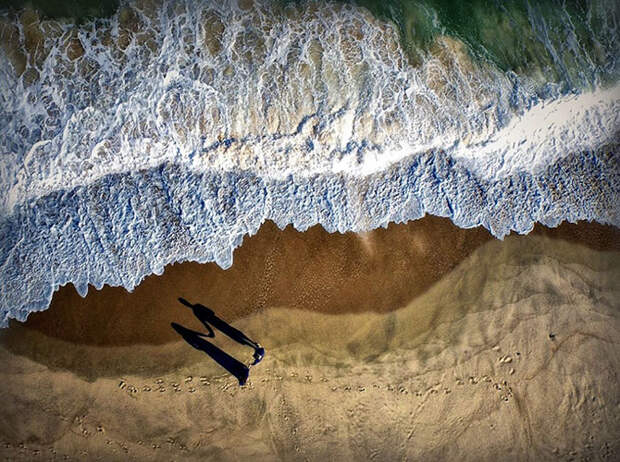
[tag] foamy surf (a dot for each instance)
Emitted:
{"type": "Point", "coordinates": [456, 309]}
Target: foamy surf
{"type": "Point", "coordinates": [169, 132]}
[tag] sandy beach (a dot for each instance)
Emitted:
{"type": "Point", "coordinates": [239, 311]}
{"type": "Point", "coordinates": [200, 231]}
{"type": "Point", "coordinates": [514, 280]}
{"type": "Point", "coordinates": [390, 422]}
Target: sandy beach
{"type": "Point", "coordinates": [137, 133]}
{"type": "Point", "coordinates": [421, 341]}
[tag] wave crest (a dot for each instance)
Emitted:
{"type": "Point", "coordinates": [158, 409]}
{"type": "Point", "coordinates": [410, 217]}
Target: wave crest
{"type": "Point", "coordinates": [168, 133]}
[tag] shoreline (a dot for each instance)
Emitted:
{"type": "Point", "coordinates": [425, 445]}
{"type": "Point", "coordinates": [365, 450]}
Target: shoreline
{"type": "Point", "coordinates": [520, 335]}
{"type": "Point", "coordinates": [379, 271]}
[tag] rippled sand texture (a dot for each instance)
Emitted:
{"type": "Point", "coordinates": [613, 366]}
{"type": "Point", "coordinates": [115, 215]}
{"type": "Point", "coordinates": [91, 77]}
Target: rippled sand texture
{"type": "Point", "coordinates": [511, 355]}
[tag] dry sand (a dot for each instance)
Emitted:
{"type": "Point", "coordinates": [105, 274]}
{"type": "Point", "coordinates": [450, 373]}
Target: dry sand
{"type": "Point", "coordinates": [419, 342]}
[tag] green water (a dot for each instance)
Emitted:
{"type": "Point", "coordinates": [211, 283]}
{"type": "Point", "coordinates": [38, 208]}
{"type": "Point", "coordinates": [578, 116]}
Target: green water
{"type": "Point", "coordinates": [571, 42]}
{"type": "Point", "coordinates": [567, 41]}
{"type": "Point", "coordinates": [561, 41]}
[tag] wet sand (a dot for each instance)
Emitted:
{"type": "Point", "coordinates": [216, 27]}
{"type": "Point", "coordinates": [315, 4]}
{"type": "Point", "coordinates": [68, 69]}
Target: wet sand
{"type": "Point", "coordinates": [379, 271]}
{"type": "Point", "coordinates": [421, 341]}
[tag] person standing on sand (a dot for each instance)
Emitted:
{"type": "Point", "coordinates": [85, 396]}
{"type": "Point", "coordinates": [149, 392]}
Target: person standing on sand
{"type": "Point", "coordinates": [198, 341]}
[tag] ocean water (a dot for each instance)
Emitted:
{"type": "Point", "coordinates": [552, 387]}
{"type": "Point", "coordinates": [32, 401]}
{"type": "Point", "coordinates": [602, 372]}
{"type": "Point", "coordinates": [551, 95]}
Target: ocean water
{"type": "Point", "coordinates": [571, 43]}
{"type": "Point", "coordinates": [167, 131]}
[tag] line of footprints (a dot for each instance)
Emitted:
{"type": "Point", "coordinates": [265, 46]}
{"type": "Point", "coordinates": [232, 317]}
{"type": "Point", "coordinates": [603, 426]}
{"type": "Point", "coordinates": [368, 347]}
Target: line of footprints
{"type": "Point", "coordinates": [192, 384]}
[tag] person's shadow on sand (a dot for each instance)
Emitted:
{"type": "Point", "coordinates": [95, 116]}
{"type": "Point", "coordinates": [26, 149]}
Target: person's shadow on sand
{"type": "Point", "coordinates": [197, 340]}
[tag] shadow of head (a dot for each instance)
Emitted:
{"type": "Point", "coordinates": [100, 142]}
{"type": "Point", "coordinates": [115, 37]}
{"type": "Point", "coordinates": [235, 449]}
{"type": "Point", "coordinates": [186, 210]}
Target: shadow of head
{"type": "Point", "coordinates": [314, 270]}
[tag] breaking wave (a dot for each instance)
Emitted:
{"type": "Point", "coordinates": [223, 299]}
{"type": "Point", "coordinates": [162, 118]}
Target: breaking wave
{"type": "Point", "coordinates": [170, 131]}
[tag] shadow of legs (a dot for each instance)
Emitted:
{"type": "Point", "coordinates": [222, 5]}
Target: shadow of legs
{"type": "Point", "coordinates": [195, 339]}
{"type": "Point", "coordinates": [209, 318]}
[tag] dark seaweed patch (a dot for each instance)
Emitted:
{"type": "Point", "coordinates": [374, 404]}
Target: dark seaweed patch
{"type": "Point", "coordinates": [78, 11]}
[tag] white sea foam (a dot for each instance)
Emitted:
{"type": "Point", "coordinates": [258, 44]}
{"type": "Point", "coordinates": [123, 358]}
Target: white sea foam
{"type": "Point", "coordinates": [546, 133]}
{"type": "Point", "coordinates": [180, 129]}
{"type": "Point", "coordinates": [329, 90]}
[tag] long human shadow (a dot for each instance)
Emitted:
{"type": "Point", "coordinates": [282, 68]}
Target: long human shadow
{"type": "Point", "coordinates": [209, 318]}
{"type": "Point", "coordinates": [380, 271]}
{"type": "Point", "coordinates": [232, 365]}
